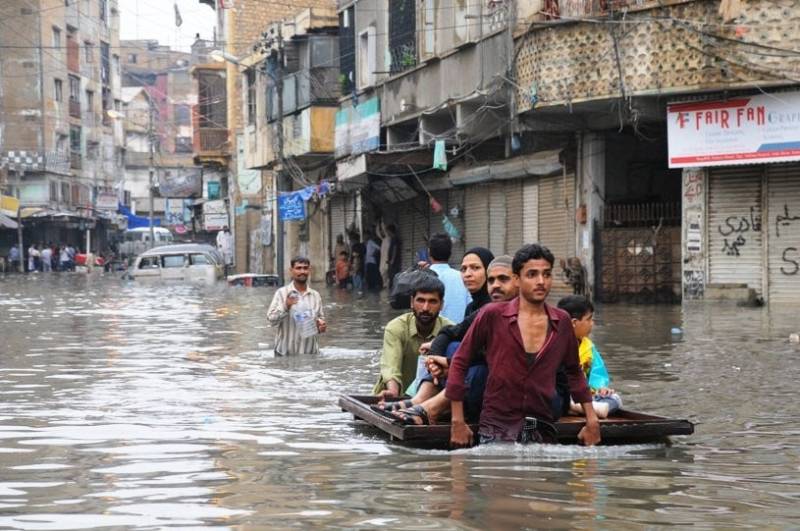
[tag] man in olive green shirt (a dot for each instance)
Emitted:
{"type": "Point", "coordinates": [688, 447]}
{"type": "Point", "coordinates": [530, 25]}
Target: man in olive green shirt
{"type": "Point", "coordinates": [405, 334]}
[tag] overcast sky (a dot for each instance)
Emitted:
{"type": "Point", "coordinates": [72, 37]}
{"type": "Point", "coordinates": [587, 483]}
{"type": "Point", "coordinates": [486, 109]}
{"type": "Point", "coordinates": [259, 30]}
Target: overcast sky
{"type": "Point", "coordinates": [155, 19]}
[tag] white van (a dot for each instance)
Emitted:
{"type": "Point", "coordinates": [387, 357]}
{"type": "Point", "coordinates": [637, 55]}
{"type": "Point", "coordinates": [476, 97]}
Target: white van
{"type": "Point", "coordinates": [136, 241]}
{"type": "Point", "coordinates": [193, 262]}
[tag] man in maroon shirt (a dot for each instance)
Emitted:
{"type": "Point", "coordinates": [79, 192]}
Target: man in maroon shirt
{"type": "Point", "coordinates": [525, 340]}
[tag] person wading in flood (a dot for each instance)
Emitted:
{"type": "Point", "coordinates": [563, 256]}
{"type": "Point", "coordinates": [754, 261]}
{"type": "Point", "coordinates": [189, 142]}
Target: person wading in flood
{"type": "Point", "coordinates": [525, 341]}
{"type": "Point", "coordinates": [295, 335]}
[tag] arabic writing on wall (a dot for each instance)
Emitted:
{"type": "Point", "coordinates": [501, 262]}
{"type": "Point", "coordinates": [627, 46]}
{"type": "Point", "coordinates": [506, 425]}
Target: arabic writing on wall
{"type": "Point", "coordinates": [790, 255]}
{"type": "Point", "coordinates": [736, 228]}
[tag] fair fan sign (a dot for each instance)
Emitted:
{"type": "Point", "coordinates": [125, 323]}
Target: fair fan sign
{"type": "Point", "coordinates": [744, 130]}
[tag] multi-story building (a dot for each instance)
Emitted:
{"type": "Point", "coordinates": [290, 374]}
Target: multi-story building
{"type": "Point", "coordinates": [425, 136]}
{"type": "Point", "coordinates": [59, 76]}
{"type": "Point", "coordinates": [158, 96]}
{"type": "Point", "coordinates": [681, 121]}
{"type": "Point", "coordinates": [309, 44]}
{"type": "Point", "coordinates": [221, 124]}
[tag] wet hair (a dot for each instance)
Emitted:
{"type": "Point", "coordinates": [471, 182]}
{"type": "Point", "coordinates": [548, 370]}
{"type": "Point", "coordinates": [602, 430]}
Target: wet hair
{"type": "Point", "coordinates": [577, 306]}
{"type": "Point", "coordinates": [429, 284]}
{"type": "Point", "coordinates": [300, 260]}
{"type": "Point", "coordinates": [440, 246]}
{"type": "Point", "coordinates": [531, 251]}
{"type": "Point", "coordinates": [392, 229]}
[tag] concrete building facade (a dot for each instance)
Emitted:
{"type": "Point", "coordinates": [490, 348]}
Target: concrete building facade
{"type": "Point", "coordinates": [63, 154]}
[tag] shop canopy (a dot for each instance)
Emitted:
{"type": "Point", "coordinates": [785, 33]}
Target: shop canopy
{"type": "Point", "coordinates": [6, 222]}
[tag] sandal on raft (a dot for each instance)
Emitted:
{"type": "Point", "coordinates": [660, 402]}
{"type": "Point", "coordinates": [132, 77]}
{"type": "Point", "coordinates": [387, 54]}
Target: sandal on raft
{"type": "Point", "coordinates": [408, 415]}
{"type": "Point", "coordinates": [396, 406]}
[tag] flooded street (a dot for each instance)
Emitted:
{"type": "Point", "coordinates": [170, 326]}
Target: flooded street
{"type": "Point", "coordinates": [128, 405]}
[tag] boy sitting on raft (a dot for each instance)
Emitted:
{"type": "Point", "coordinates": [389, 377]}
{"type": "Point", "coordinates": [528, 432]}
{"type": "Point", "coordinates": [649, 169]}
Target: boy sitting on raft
{"type": "Point", "coordinates": [605, 400]}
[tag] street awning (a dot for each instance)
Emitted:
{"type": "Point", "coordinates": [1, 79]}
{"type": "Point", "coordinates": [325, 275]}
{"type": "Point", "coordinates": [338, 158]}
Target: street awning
{"type": "Point", "coordinates": [539, 164]}
{"type": "Point", "coordinates": [6, 222]}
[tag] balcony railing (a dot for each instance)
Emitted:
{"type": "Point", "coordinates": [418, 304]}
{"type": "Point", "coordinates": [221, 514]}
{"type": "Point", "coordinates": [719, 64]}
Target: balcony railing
{"type": "Point", "coordinates": [74, 108]}
{"type": "Point", "coordinates": [75, 161]}
{"type": "Point", "coordinates": [212, 139]}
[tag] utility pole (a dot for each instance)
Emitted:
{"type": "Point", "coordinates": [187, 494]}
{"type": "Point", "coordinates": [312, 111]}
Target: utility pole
{"type": "Point", "coordinates": [272, 44]}
{"type": "Point", "coordinates": [151, 138]}
{"type": "Point", "coordinates": [279, 180]}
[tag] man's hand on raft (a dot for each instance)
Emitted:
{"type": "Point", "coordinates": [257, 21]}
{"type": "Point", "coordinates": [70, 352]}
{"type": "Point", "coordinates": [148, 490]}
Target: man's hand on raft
{"type": "Point", "coordinates": [590, 433]}
{"type": "Point", "coordinates": [460, 435]}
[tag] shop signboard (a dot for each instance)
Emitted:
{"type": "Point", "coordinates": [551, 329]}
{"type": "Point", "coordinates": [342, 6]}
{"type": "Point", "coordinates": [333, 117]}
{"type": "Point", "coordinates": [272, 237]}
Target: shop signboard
{"type": "Point", "coordinates": [215, 215]}
{"type": "Point", "coordinates": [106, 201]}
{"type": "Point", "coordinates": [358, 128]}
{"type": "Point", "coordinates": [758, 129]}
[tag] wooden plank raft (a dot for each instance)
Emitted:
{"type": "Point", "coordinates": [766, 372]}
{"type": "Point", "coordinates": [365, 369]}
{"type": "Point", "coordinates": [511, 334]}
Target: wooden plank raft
{"type": "Point", "coordinates": [622, 427]}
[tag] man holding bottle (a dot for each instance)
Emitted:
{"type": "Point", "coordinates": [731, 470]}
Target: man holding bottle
{"type": "Point", "coordinates": [296, 310]}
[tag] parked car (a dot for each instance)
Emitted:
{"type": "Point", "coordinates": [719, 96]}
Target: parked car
{"type": "Point", "coordinates": [136, 241]}
{"type": "Point", "coordinates": [192, 262]}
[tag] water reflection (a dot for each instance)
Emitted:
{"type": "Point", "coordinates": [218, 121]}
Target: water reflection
{"type": "Point", "coordinates": [130, 405]}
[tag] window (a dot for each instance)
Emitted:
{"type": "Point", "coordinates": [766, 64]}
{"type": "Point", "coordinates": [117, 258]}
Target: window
{"type": "Point", "coordinates": [172, 260]}
{"type": "Point", "coordinates": [118, 105]}
{"type": "Point", "coordinates": [75, 138]}
{"type": "Point", "coordinates": [105, 63]}
{"type": "Point", "coordinates": [56, 38]}
{"type": "Point", "coordinates": [104, 11]}
{"type": "Point", "coordinates": [199, 259]}
{"type": "Point", "coordinates": [366, 57]}
{"type": "Point", "coordinates": [58, 90]}
{"type": "Point", "coordinates": [92, 150]}
{"type": "Point", "coordinates": [116, 64]}
{"type": "Point", "coordinates": [149, 262]}
{"type": "Point", "coordinates": [183, 114]}
{"type": "Point", "coordinates": [88, 51]}
{"type": "Point", "coordinates": [74, 88]}
{"type": "Point", "coordinates": [132, 58]}
{"type": "Point", "coordinates": [53, 191]}
{"type": "Point", "coordinates": [65, 192]}
{"type": "Point", "coordinates": [90, 100]}
{"type": "Point", "coordinates": [251, 96]}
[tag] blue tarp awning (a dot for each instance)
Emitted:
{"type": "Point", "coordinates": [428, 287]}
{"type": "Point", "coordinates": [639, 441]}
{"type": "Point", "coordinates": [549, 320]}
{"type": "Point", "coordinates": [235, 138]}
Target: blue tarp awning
{"type": "Point", "coordinates": [135, 221]}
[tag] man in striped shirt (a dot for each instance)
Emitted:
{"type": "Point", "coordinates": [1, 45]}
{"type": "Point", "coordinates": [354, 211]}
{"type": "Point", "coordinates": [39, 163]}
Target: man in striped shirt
{"type": "Point", "coordinates": [289, 339]}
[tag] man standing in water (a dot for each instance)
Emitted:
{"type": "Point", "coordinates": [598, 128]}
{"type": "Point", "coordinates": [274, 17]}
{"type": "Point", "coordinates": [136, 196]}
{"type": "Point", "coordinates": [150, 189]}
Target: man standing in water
{"type": "Point", "coordinates": [525, 341]}
{"type": "Point", "coordinates": [294, 335]}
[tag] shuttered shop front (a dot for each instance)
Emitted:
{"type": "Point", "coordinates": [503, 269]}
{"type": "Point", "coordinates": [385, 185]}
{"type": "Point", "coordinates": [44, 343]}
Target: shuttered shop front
{"type": "Point", "coordinates": [514, 216]}
{"type": "Point", "coordinates": [557, 224]}
{"type": "Point", "coordinates": [476, 224]}
{"type": "Point", "coordinates": [735, 227]}
{"type": "Point", "coordinates": [336, 212]}
{"type": "Point", "coordinates": [783, 227]}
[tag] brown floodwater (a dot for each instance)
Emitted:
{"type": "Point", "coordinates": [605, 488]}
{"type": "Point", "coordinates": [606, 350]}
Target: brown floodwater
{"type": "Point", "coordinates": [149, 406]}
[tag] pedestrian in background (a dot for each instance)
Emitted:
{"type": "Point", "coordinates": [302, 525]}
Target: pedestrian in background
{"type": "Point", "coordinates": [14, 257]}
{"type": "Point", "coordinates": [372, 259]}
{"type": "Point", "coordinates": [225, 246]}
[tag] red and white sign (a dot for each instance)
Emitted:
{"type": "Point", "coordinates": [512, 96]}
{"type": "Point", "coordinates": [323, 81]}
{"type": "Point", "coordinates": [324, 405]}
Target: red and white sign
{"type": "Point", "coordinates": [744, 130]}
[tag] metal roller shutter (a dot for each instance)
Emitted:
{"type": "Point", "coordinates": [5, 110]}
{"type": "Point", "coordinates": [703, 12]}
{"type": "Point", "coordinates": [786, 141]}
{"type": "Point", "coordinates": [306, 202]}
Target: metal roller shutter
{"type": "Point", "coordinates": [514, 216]}
{"type": "Point", "coordinates": [477, 217]}
{"type": "Point", "coordinates": [497, 218]}
{"type": "Point", "coordinates": [530, 211]}
{"type": "Point", "coordinates": [336, 213]}
{"type": "Point", "coordinates": [557, 224]}
{"type": "Point", "coordinates": [455, 198]}
{"type": "Point", "coordinates": [406, 219]}
{"type": "Point", "coordinates": [783, 227]}
{"type": "Point", "coordinates": [734, 226]}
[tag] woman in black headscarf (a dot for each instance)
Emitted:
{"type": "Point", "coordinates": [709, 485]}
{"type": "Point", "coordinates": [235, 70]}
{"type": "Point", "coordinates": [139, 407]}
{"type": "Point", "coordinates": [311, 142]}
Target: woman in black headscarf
{"type": "Point", "coordinates": [474, 266]}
